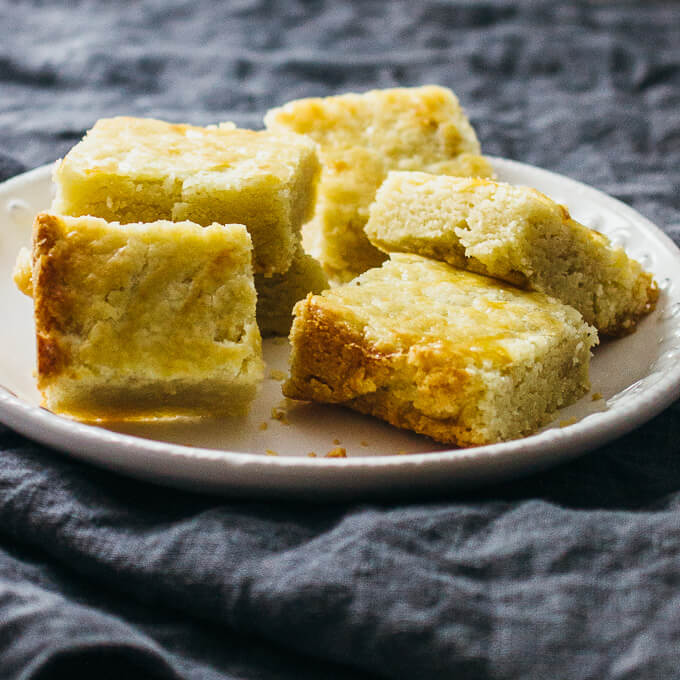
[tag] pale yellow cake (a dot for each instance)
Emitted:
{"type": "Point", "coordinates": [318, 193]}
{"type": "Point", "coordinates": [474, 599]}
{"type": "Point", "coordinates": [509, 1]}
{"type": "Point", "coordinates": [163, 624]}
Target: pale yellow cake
{"type": "Point", "coordinates": [143, 320]}
{"type": "Point", "coordinates": [516, 234]}
{"type": "Point", "coordinates": [277, 294]}
{"type": "Point", "coordinates": [460, 357]}
{"type": "Point", "coordinates": [143, 170]}
{"type": "Point", "coordinates": [363, 136]}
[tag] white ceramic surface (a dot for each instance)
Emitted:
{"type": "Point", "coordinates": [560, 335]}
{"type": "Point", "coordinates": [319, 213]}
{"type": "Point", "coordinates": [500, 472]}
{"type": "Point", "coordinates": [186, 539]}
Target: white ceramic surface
{"type": "Point", "coordinates": [637, 377]}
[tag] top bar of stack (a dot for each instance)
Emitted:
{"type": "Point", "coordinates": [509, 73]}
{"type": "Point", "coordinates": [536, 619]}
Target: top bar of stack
{"type": "Point", "coordinates": [142, 170]}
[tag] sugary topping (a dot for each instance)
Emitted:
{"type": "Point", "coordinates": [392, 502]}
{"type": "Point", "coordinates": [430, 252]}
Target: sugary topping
{"type": "Point", "coordinates": [144, 147]}
{"type": "Point", "coordinates": [411, 301]}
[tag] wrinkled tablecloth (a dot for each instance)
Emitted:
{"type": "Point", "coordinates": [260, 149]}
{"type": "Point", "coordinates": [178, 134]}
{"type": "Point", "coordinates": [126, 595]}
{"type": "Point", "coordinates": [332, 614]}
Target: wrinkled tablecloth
{"type": "Point", "coordinates": [570, 573]}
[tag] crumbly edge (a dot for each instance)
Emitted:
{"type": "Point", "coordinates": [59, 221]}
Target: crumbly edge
{"type": "Point", "coordinates": [337, 236]}
{"type": "Point", "coordinates": [625, 321]}
{"type": "Point", "coordinates": [51, 357]}
{"type": "Point", "coordinates": [343, 247]}
{"type": "Point", "coordinates": [304, 190]}
{"type": "Point", "coordinates": [578, 266]}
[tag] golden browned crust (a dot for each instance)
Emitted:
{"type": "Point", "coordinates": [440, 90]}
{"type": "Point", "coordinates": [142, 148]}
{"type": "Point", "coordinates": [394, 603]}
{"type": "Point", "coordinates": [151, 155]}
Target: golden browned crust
{"type": "Point", "coordinates": [332, 363]}
{"type": "Point", "coordinates": [50, 357]}
{"type": "Point", "coordinates": [49, 298]}
{"type": "Point", "coordinates": [383, 405]}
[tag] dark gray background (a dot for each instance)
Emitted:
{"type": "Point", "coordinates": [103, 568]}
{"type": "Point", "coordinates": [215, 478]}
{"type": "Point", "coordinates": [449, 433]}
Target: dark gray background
{"type": "Point", "coordinates": [571, 573]}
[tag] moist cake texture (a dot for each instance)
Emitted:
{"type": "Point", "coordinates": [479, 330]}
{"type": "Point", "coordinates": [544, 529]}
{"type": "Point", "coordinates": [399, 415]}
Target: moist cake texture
{"type": "Point", "coordinates": [277, 294]}
{"type": "Point", "coordinates": [363, 136]}
{"type": "Point", "coordinates": [144, 320]}
{"type": "Point", "coordinates": [460, 357]}
{"type": "Point", "coordinates": [144, 170]}
{"type": "Point", "coordinates": [516, 234]}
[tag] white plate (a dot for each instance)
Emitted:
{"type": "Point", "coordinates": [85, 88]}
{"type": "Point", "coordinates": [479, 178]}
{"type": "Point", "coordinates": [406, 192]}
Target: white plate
{"type": "Point", "coordinates": [638, 376]}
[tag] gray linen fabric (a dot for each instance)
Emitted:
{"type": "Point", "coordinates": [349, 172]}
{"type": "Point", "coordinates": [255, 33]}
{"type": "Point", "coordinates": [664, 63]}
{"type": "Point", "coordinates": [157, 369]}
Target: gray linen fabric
{"type": "Point", "coordinates": [570, 573]}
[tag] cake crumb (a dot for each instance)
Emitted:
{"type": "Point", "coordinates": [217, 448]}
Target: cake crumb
{"type": "Point", "coordinates": [280, 415]}
{"type": "Point", "coordinates": [275, 374]}
{"type": "Point", "coordinates": [278, 340]}
{"type": "Point", "coordinates": [338, 452]}
{"type": "Point", "coordinates": [336, 442]}
{"type": "Point", "coordinates": [269, 452]}
{"type": "Point", "coordinates": [364, 443]}
{"type": "Point", "coordinates": [263, 426]}
{"type": "Point", "coordinates": [596, 396]}
{"type": "Point", "coordinates": [567, 422]}
{"type": "Point", "coordinates": [311, 454]}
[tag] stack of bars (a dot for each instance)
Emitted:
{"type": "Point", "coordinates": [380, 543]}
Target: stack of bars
{"type": "Point", "coordinates": [427, 343]}
{"type": "Point", "coordinates": [463, 308]}
{"type": "Point", "coordinates": [167, 252]}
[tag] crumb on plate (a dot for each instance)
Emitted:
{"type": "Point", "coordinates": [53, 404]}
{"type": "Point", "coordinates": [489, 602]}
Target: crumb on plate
{"type": "Point", "coordinates": [280, 415]}
{"type": "Point", "coordinates": [338, 452]}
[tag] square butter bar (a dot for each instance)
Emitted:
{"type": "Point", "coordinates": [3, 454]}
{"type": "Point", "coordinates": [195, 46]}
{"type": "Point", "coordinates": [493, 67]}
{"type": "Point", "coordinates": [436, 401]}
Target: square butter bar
{"type": "Point", "coordinates": [454, 355]}
{"type": "Point", "coordinates": [143, 170]}
{"type": "Point", "coordinates": [363, 136]}
{"type": "Point", "coordinates": [143, 320]}
{"type": "Point", "coordinates": [516, 234]}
